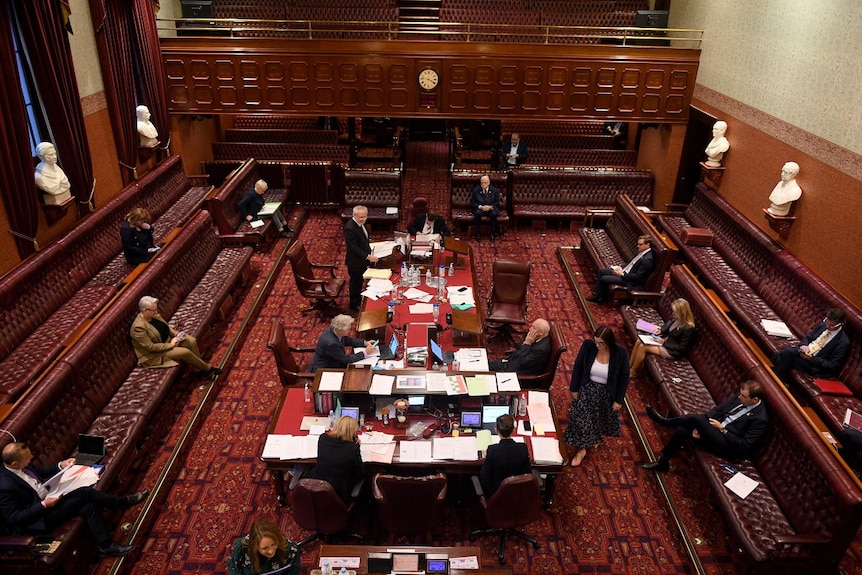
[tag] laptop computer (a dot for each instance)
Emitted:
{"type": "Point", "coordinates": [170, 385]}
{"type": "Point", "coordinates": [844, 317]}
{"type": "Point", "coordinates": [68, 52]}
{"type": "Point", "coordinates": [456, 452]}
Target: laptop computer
{"type": "Point", "coordinates": [350, 412]}
{"type": "Point", "coordinates": [91, 449]}
{"type": "Point", "coordinates": [439, 356]}
{"type": "Point", "coordinates": [490, 413]}
{"type": "Point", "coordinates": [391, 351]}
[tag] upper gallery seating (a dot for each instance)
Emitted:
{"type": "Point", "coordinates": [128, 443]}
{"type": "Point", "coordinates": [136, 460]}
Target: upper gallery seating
{"type": "Point", "coordinates": [50, 295]}
{"type": "Point", "coordinates": [239, 151]}
{"type": "Point", "coordinates": [281, 136]}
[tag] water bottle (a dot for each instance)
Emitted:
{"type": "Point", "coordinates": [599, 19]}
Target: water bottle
{"type": "Point", "coordinates": [307, 393]}
{"type": "Point", "coordinates": [343, 571]}
{"type": "Point", "coordinates": [436, 311]}
{"type": "Point", "coordinates": [451, 269]}
{"type": "Point", "coordinates": [390, 313]}
{"type": "Point", "coordinates": [522, 405]}
{"type": "Point", "coordinates": [331, 421]}
{"type": "Point", "coordinates": [327, 569]}
{"type": "Point", "coordinates": [428, 277]}
{"type": "Point", "coordinates": [403, 273]}
{"type": "Point", "coordinates": [411, 275]}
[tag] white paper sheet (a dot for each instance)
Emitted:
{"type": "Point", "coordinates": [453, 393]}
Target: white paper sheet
{"type": "Point", "coordinates": [381, 384]}
{"type": "Point", "coordinates": [415, 451]}
{"type": "Point", "coordinates": [546, 450]}
{"type": "Point", "coordinates": [331, 381]}
{"type": "Point", "coordinates": [508, 381]}
{"type": "Point", "coordinates": [741, 484]}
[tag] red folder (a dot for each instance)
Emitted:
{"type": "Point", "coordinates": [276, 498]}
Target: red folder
{"type": "Point", "coordinates": [832, 387]}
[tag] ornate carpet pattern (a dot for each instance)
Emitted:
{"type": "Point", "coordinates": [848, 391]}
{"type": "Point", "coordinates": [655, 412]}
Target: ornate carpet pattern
{"type": "Point", "coordinates": [608, 516]}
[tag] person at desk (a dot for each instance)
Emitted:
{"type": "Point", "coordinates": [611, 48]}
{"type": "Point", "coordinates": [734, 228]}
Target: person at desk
{"type": "Point", "coordinates": [672, 340]}
{"type": "Point", "coordinates": [27, 507]}
{"type": "Point", "coordinates": [485, 203]}
{"type": "Point", "coordinates": [253, 201]}
{"type": "Point", "coordinates": [632, 276]}
{"type": "Point", "coordinates": [531, 356]}
{"type": "Point", "coordinates": [430, 223]}
{"type": "Point", "coordinates": [136, 235]}
{"type": "Point", "coordinates": [359, 253]}
{"type": "Point", "coordinates": [505, 459]}
{"type": "Point", "coordinates": [329, 351]}
{"type": "Point", "coordinates": [736, 428]}
{"type": "Point", "coordinates": [264, 549]}
{"type": "Point", "coordinates": [339, 462]}
{"type": "Point", "coordinates": [821, 353]}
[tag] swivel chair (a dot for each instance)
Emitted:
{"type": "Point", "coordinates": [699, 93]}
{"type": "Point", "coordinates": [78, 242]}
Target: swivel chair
{"type": "Point", "coordinates": [409, 505]}
{"type": "Point", "coordinates": [321, 292]}
{"type": "Point", "coordinates": [507, 305]}
{"type": "Point", "coordinates": [318, 508]}
{"type": "Point", "coordinates": [545, 379]}
{"type": "Point", "coordinates": [289, 371]}
{"type": "Point", "coordinates": [517, 502]}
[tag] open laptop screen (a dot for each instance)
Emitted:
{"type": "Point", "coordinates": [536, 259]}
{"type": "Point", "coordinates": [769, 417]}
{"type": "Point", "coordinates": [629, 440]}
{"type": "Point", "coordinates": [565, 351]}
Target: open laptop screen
{"type": "Point", "coordinates": [350, 412]}
{"type": "Point", "coordinates": [490, 413]}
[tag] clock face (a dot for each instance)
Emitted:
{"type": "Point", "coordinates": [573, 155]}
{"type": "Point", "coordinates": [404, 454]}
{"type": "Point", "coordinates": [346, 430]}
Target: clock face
{"type": "Point", "coordinates": [428, 79]}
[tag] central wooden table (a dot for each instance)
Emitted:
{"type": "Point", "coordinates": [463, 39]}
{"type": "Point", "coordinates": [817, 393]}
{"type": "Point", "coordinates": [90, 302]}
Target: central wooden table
{"type": "Point", "coordinates": [362, 552]}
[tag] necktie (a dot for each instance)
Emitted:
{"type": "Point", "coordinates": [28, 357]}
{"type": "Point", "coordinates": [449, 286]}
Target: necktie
{"type": "Point", "coordinates": [733, 415]}
{"type": "Point", "coordinates": [632, 263]}
{"type": "Point", "coordinates": [818, 343]}
{"type": "Point", "coordinates": [37, 485]}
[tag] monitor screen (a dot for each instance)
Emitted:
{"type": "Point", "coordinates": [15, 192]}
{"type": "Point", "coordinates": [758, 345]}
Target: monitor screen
{"type": "Point", "coordinates": [471, 419]}
{"type": "Point", "coordinates": [436, 351]}
{"type": "Point", "coordinates": [415, 400]}
{"type": "Point", "coordinates": [437, 566]}
{"type": "Point", "coordinates": [393, 345]}
{"type": "Point", "coordinates": [490, 413]}
{"type": "Point", "coordinates": [350, 412]}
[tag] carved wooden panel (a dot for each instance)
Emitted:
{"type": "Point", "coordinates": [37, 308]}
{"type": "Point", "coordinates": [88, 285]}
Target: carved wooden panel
{"type": "Point", "coordinates": [380, 79]}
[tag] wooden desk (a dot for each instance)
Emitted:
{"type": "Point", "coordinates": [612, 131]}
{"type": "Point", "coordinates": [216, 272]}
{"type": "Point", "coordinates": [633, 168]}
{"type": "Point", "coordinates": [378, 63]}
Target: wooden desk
{"type": "Point", "coordinates": [292, 408]}
{"type": "Point", "coordinates": [362, 552]}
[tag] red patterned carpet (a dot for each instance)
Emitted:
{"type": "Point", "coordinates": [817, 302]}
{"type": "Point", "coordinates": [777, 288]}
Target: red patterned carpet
{"type": "Point", "coordinates": [609, 515]}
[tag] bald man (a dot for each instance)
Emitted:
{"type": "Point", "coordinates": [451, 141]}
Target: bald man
{"type": "Point", "coordinates": [530, 357]}
{"type": "Point", "coordinates": [485, 203]}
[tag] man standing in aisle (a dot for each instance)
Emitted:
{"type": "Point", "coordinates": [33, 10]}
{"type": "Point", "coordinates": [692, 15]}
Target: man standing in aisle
{"type": "Point", "coordinates": [359, 253]}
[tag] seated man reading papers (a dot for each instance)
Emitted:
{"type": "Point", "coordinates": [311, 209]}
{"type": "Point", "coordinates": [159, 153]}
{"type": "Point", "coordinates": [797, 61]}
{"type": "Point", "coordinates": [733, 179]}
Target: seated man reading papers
{"type": "Point", "coordinates": [329, 351]}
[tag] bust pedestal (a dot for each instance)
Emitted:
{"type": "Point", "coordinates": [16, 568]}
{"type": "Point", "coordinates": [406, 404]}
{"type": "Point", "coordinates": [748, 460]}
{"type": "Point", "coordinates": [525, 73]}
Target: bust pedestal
{"type": "Point", "coordinates": [780, 224]}
{"type": "Point", "coordinates": [711, 175]}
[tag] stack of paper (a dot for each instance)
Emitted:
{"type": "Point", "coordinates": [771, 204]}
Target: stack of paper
{"type": "Point", "coordinates": [377, 447]}
{"type": "Point", "coordinates": [380, 273]}
{"type": "Point", "coordinates": [70, 479]}
{"type": "Point", "coordinates": [418, 295]}
{"type": "Point", "coordinates": [546, 450]}
{"type": "Point", "coordinates": [508, 381]}
{"type": "Point", "coordinates": [290, 447]}
{"type": "Point", "coordinates": [776, 328]}
{"type": "Point", "coordinates": [457, 385]}
{"type": "Point", "coordinates": [383, 249]}
{"type": "Point", "coordinates": [330, 381]}
{"type": "Point", "coordinates": [381, 384]}
{"type": "Point", "coordinates": [415, 451]}
{"type": "Point", "coordinates": [472, 358]}
{"type": "Point", "coordinates": [464, 448]}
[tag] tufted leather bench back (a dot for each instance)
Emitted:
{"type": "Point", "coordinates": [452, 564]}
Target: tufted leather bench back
{"type": "Point", "coordinates": [584, 188]}
{"type": "Point", "coordinates": [743, 245]}
{"type": "Point", "coordinates": [223, 204]}
{"type": "Point", "coordinates": [582, 157]}
{"type": "Point", "coordinates": [370, 188]}
{"type": "Point", "coordinates": [282, 136]}
{"type": "Point", "coordinates": [463, 182]}
{"type": "Point", "coordinates": [281, 152]}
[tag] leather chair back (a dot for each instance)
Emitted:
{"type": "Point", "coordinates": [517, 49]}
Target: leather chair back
{"type": "Point", "coordinates": [508, 302]}
{"type": "Point", "coordinates": [517, 502]}
{"type": "Point", "coordinates": [545, 379]}
{"type": "Point", "coordinates": [317, 507]}
{"type": "Point", "coordinates": [289, 371]}
{"type": "Point", "coordinates": [302, 270]}
{"type": "Point", "coordinates": [409, 505]}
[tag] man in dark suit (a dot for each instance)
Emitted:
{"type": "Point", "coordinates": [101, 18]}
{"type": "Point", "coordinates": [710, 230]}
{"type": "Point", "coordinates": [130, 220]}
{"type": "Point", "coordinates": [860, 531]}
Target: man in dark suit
{"type": "Point", "coordinates": [27, 507]}
{"type": "Point", "coordinates": [329, 351]}
{"type": "Point", "coordinates": [505, 459]}
{"type": "Point", "coordinates": [735, 429]}
{"type": "Point", "coordinates": [359, 253]}
{"type": "Point", "coordinates": [821, 353]}
{"type": "Point", "coordinates": [514, 152]}
{"type": "Point", "coordinates": [430, 223]}
{"type": "Point", "coordinates": [632, 276]}
{"type": "Point", "coordinates": [485, 203]}
{"type": "Point", "coordinates": [531, 356]}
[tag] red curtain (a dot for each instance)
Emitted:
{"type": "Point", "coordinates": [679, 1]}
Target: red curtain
{"type": "Point", "coordinates": [151, 88]}
{"type": "Point", "coordinates": [17, 186]}
{"type": "Point", "coordinates": [43, 33]}
{"type": "Point", "coordinates": [113, 24]}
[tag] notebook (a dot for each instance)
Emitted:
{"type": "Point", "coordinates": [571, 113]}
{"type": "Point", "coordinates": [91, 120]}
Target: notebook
{"type": "Point", "coordinates": [269, 208]}
{"type": "Point", "coordinates": [91, 449]}
{"type": "Point", "coordinates": [390, 352]}
{"type": "Point", "coordinates": [832, 387]}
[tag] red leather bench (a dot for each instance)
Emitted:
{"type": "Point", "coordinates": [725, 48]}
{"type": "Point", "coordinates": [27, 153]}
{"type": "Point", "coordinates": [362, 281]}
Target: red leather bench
{"type": "Point", "coordinates": [335, 153]}
{"type": "Point", "coordinates": [377, 190]}
{"type": "Point", "coordinates": [461, 184]}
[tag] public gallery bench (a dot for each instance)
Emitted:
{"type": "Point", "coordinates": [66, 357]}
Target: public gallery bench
{"type": "Point", "coordinates": [97, 388]}
{"type": "Point", "coordinates": [335, 153]}
{"type": "Point", "coordinates": [616, 244]}
{"type": "Point", "coordinates": [223, 205]}
{"type": "Point", "coordinates": [46, 298]}
{"type": "Point", "coordinates": [808, 506]}
{"type": "Point", "coordinates": [580, 157]}
{"type": "Point", "coordinates": [568, 193]}
{"type": "Point", "coordinates": [461, 184]}
{"type": "Point", "coordinates": [282, 136]}
{"type": "Point", "coordinates": [757, 279]}
{"type": "Point", "coordinates": [377, 190]}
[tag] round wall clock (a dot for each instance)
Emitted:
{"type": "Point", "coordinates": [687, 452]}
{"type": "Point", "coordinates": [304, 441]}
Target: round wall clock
{"type": "Point", "coordinates": [428, 79]}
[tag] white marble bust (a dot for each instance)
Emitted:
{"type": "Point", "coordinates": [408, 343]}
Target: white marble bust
{"type": "Point", "coordinates": [146, 130]}
{"type": "Point", "coordinates": [786, 191]}
{"type": "Point", "coordinates": [50, 178]}
{"type": "Point", "coordinates": [718, 145]}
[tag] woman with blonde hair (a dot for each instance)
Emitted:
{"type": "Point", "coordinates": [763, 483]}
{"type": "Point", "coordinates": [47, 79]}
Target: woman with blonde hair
{"type": "Point", "coordinates": [338, 459]}
{"type": "Point", "coordinates": [264, 549]}
{"type": "Point", "coordinates": [673, 340]}
{"type": "Point", "coordinates": [136, 236]}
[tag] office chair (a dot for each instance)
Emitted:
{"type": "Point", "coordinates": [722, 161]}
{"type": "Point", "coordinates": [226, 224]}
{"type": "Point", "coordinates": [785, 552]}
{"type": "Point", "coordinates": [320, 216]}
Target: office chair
{"type": "Point", "coordinates": [409, 505]}
{"type": "Point", "coordinates": [546, 378]}
{"type": "Point", "coordinates": [289, 371]}
{"type": "Point", "coordinates": [507, 305]}
{"type": "Point", "coordinates": [517, 502]}
{"type": "Point", "coordinates": [321, 292]}
{"type": "Point", "coordinates": [318, 508]}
